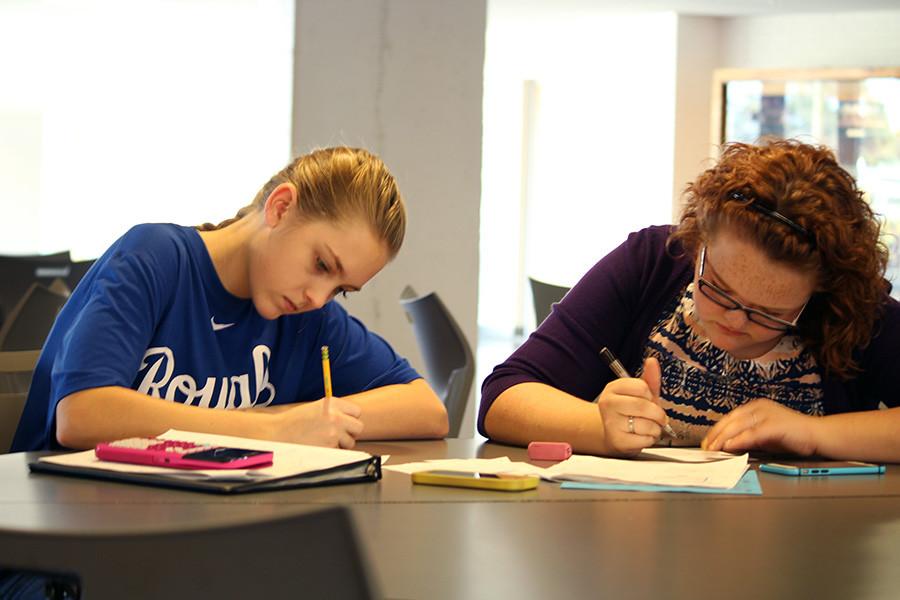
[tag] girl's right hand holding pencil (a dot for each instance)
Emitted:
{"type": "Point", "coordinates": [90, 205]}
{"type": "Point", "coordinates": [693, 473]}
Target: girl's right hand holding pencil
{"type": "Point", "coordinates": [310, 423]}
{"type": "Point", "coordinates": [632, 417]}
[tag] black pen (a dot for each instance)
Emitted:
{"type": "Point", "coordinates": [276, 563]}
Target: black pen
{"type": "Point", "coordinates": [616, 367]}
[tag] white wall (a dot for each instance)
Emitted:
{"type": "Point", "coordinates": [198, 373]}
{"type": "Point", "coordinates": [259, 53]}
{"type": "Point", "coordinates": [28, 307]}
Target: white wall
{"type": "Point", "coordinates": [403, 78]}
{"type": "Point", "coordinates": [851, 39]}
{"type": "Point", "coordinates": [697, 52]}
{"type": "Point", "coordinates": [599, 144]}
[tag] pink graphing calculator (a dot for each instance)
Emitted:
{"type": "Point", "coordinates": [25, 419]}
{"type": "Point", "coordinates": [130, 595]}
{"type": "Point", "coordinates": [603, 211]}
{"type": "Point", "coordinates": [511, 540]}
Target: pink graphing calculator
{"type": "Point", "coordinates": [180, 454]}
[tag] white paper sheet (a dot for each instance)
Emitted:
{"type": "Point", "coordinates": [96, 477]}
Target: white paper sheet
{"type": "Point", "coordinates": [716, 474]}
{"type": "Point", "coordinates": [694, 455]}
{"type": "Point", "coordinates": [288, 459]}
{"type": "Point", "coordinates": [468, 465]}
{"type": "Point", "coordinates": [657, 466]}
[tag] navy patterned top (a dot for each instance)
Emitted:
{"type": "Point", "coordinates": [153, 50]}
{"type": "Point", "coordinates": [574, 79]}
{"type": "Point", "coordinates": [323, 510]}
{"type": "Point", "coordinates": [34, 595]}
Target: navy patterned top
{"type": "Point", "coordinates": [701, 383]}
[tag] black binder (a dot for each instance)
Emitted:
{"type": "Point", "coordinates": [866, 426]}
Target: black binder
{"type": "Point", "coordinates": [355, 472]}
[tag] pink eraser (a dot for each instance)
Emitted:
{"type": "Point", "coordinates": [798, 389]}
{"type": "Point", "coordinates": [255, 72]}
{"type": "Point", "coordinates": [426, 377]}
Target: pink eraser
{"type": "Point", "coordinates": [549, 450]}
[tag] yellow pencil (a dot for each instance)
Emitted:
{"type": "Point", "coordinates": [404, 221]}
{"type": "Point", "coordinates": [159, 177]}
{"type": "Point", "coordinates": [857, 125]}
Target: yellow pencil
{"type": "Point", "coordinates": [326, 375]}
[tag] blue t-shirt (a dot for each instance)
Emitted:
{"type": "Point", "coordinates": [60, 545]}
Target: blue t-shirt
{"type": "Point", "coordinates": [152, 315]}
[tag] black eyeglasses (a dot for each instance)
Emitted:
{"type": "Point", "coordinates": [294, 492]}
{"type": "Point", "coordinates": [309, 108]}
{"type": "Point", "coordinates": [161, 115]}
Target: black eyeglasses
{"type": "Point", "coordinates": [774, 214]}
{"type": "Point", "coordinates": [726, 301]}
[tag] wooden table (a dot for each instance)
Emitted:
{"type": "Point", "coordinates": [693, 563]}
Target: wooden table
{"type": "Point", "coordinates": [829, 537]}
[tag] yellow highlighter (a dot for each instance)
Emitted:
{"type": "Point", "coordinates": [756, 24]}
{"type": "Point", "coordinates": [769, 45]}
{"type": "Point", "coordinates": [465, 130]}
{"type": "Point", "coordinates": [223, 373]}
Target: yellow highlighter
{"type": "Point", "coordinates": [326, 376]}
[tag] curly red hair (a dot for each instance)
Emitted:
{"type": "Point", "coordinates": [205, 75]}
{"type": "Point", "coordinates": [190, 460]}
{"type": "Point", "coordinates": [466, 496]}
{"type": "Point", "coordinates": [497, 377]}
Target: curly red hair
{"type": "Point", "coordinates": [806, 184]}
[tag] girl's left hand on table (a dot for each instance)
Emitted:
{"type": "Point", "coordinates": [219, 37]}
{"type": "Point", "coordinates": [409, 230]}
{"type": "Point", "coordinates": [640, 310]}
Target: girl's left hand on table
{"type": "Point", "coordinates": [763, 425]}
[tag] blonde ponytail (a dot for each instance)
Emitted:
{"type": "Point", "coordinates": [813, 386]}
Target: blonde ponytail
{"type": "Point", "coordinates": [337, 184]}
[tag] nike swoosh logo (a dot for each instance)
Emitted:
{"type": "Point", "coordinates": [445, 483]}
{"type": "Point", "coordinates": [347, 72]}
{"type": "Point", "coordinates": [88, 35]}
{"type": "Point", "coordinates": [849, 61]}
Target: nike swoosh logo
{"type": "Point", "coordinates": [219, 326]}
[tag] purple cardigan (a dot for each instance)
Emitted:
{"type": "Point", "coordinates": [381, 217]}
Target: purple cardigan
{"type": "Point", "coordinates": [617, 303]}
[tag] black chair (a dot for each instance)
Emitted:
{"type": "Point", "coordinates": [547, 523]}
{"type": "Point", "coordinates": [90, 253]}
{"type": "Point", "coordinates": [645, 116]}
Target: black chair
{"type": "Point", "coordinates": [31, 319]}
{"type": "Point", "coordinates": [315, 554]}
{"type": "Point", "coordinates": [18, 273]}
{"type": "Point", "coordinates": [16, 369]}
{"type": "Point", "coordinates": [77, 271]}
{"type": "Point", "coordinates": [449, 364]}
{"type": "Point", "coordinates": [545, 295]}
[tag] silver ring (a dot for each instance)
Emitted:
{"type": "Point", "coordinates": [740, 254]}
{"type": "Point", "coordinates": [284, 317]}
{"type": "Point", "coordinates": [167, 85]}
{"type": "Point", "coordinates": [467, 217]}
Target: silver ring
{"type": "Point", "coordinates": [630, 424]}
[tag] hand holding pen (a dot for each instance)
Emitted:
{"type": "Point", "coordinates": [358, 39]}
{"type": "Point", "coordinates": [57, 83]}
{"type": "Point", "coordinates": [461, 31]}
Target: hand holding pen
{"type": "Point", "coordinates": [632, 417]}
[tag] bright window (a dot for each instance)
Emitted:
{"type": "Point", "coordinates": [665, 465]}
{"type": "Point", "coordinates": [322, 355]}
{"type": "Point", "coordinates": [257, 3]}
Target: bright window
{"type": "Point", "coordinates": [114, 113]}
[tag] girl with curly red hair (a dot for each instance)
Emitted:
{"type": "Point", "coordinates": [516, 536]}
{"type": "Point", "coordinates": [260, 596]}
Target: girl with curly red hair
{"type": "Point", "coordinates": [762, 321]}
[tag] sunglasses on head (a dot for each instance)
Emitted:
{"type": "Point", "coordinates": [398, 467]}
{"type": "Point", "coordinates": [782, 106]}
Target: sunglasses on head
{"type": "Point", "coordinates": [774, 214]}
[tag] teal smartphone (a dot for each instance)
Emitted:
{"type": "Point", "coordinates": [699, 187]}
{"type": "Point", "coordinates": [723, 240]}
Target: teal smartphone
{"type": "Point", "coordinates": [803, 469]}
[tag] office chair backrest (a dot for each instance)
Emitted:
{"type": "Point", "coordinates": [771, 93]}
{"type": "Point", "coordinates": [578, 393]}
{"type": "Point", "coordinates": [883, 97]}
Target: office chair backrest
{"type": "Point", "coordinates": [30, 320]}
{"type": "Point", "coordinates": [16, 369]}
{"type": "Point", "coordinates": [449, 364]}
{"type": "Point", "coordinates": [545, 295]}
{"type": "Point", "coordinates": [18, 273]}
{"type": "Point", "coordinates": [77, 271]}
{"type": "Point", "coordinates": [315, 554]}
